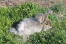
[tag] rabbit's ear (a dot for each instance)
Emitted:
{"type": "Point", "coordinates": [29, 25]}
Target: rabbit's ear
{"type": "Point", "coordinates": [43, 18]}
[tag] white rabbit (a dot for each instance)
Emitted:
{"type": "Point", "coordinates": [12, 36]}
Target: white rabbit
{"type": "Point", "coordinates": [29, 26]}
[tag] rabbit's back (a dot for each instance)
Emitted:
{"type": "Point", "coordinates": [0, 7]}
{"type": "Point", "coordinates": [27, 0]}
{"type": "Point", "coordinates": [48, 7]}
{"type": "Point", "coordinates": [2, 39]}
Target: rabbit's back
{"type": "Point", "coordinates": [29, 26]}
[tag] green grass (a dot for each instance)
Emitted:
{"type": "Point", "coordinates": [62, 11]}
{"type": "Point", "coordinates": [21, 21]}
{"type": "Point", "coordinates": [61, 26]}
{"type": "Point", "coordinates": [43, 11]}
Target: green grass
{"type": "Point", "coordinates": [8, 15]}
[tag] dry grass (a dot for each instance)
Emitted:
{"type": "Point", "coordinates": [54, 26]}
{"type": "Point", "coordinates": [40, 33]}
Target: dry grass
{"type": "Point", "coordinates": [47, 3]}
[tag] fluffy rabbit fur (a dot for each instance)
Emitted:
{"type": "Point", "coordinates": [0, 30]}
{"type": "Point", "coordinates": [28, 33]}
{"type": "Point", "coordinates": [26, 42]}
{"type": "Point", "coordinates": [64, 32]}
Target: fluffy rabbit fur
{"type": "Point", "coordinates": [29, 26]}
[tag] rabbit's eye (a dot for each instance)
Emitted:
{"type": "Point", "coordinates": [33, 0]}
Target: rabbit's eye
{"type": "Point", "coordinates": [46, 23]}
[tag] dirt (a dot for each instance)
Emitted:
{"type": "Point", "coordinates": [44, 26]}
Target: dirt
{"type": "Point", "coordinates": [48, 3]}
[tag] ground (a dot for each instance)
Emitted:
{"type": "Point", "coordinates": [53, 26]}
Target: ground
{"type": "Point", "coordinates": [47, 3]}
{"type": "Point", "coordinates": [9, 15]}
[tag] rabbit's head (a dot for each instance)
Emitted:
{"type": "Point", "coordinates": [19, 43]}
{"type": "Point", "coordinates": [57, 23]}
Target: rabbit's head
{"type": "Point", "coordinates": [44, 21]}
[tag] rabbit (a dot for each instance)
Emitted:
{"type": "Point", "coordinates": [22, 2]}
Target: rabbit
{"type": "Point", "coordinates": [29, 26]}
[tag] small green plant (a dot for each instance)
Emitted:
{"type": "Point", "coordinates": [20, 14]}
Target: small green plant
{"type": "Point", "coordinates": [8, 15]}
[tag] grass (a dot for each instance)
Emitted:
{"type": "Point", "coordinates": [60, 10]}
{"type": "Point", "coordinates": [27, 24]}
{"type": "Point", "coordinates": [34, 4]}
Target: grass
{"type": "Point", "coordinates": [8, 15]}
